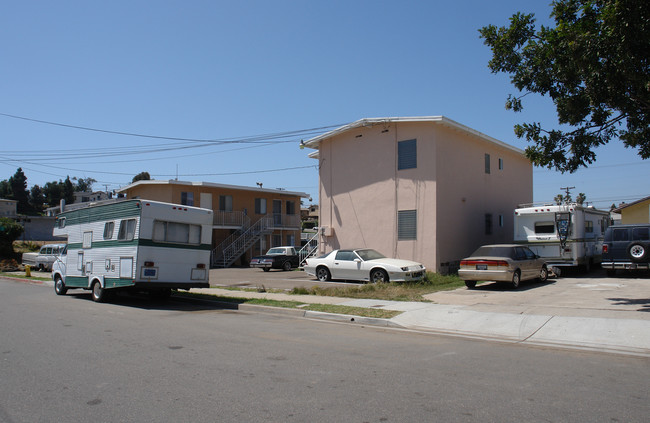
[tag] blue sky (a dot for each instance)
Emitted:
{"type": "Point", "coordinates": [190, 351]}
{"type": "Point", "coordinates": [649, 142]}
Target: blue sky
{"type": "Point", "coordinates": [227, 71]}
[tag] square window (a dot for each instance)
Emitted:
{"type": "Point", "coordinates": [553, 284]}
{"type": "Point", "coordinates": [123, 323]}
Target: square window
{"type": "Point", "coordinates": [407, 157]}
{"type": "Point", "coordinates": [187, 198]}
{"type": "Point", "coordinates": [407, 228]}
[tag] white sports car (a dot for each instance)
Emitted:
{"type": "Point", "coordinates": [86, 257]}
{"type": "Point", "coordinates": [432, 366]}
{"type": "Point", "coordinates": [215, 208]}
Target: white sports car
{"type": "Point", "coordinates": [363, 264]}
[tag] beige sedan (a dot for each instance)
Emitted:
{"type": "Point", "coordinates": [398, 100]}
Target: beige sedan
{"type": "Point", "coordinates": [502, 263]}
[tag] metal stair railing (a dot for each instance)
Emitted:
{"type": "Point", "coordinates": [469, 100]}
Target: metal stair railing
{"type": "Point", "coordinates": [308, 250]}
{"type": "Point", "coordinates": [233, 247]}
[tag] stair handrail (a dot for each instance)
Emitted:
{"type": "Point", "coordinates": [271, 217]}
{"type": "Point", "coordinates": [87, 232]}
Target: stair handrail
{"type": "Point", "coordinates": [308, 250]}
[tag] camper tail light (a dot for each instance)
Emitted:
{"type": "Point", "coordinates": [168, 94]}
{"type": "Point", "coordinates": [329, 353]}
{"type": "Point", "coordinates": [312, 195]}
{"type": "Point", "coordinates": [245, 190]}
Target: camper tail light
{"type": "Point", "coordinates": [200, 266]}
{"type": "Point", "coordinates": [148, 264]}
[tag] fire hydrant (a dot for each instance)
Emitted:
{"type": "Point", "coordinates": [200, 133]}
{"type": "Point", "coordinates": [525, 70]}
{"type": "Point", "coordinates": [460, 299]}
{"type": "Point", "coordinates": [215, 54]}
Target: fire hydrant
{"type": "Point", "coordinates": [28, 271]}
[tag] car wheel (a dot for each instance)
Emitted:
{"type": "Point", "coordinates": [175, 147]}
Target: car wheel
{"type": "Point", "coordinates": [470, 284]}
{"type": "Point", "coordinates": [98, 293]}
{"type": "Point", "coordinates": [286, 266]}
{"type": "Point", "coordinates": [323, 274]}
{"type": "Point", "coordinates": [378, 276]}
{"type": "Point", "coordinates": [637, 251]}
{"type": "Point", "coordinates": [266, 269]}
{"type": "Point", "coordinates": [516, 279]}
{"type": "Point", "coordinates": [59, 286]}
{"type": "Point", "coordinates": [543, 274]}
{"type": "Point", "coordinates": [41, 268]}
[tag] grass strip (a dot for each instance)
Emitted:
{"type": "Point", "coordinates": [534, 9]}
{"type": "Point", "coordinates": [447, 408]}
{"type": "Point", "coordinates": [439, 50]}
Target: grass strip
{"type": "Point", "coordinates": [356, 311]}
{"type": "Point", "coordinates": [21, 275]}
{"type": "Point", "coordinates": [326, 308]}
{"type": "Point", "coordinates": [393, 291]}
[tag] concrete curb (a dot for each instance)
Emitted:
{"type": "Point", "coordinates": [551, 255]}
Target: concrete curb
{"type": "Point", "coordinates": [350, 318]}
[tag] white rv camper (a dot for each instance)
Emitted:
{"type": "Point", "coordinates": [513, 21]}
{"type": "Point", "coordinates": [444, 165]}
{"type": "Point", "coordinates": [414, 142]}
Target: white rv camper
{"type": "Point", "coordinates": [137, 244]}
{"type": "Point", "coordinates": [565, 235]}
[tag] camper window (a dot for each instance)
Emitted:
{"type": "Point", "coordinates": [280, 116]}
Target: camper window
{"type": "Point", "coordinates": [108, 230]}
{"type": "Point", "coordinates": [127, 230]}
{"type": "Point", "coordinates": [180, 233]}
{"type": "Point", "coordinates": [544, 227]}
{"type": "Point", "coordinates": [589, 227]}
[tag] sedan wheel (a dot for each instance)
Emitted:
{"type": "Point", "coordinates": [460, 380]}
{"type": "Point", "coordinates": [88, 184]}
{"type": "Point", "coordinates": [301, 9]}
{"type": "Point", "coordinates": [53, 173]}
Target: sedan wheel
{"type": "Point", "coordinates": [378, 276]}
{"type": "Point", "coordinates": [516, 279]}
{"type": "Point", "coordinates": [470, 284]}
{"type": "Point", "coordinates": [323, 274]}
{"type": "Point", "coordinates": [286, 266]}
{"type": "Point", "coordinates": [543, 274]}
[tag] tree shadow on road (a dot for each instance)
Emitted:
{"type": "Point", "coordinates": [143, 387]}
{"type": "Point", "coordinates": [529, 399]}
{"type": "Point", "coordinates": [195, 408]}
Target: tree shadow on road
{"type": "Point", "coordinates": [643, 302]}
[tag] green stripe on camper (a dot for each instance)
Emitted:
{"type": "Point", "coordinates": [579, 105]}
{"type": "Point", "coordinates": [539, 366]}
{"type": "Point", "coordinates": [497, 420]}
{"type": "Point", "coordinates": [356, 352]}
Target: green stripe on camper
{"type": "Point", "coordinates": [120, 210]}
{"type": "Point", "coordinates": [82, 282]}
{"type": "Point", "coordinates": [138, 242]}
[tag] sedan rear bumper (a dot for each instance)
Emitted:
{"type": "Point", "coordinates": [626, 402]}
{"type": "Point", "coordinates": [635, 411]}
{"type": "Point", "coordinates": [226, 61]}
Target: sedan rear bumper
{"type": "Point", "coordinates": [485, 275]}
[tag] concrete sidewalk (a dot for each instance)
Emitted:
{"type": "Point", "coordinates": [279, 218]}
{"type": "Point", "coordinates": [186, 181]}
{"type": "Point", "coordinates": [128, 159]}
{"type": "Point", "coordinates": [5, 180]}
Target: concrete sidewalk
{"type": "Point", "coordinates": [600, 330]}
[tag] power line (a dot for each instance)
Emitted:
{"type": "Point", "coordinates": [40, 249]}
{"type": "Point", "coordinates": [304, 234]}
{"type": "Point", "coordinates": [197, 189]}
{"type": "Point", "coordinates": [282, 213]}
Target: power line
{"type": "Point", "coordinates": [252, 138]}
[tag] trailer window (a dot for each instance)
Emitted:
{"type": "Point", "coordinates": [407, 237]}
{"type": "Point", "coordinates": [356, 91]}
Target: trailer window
{"type": "Point", "coordinates": [127, 230]}
{"type": "Point", "coordinates": [180, 233]}
{"type": "Point", "coordinates": [544, 227]}
{"type": "Point", "coordinates": [589, 227]}
{"type": "Point", "coordinates": [108, 230]}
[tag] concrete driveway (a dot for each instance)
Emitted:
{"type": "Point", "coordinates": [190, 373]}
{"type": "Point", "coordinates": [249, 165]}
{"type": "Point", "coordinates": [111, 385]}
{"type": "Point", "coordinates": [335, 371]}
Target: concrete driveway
{"type": "Point", "coordinates": [273, 279]}
{"type": "Point", "coordinates": [626, 296]}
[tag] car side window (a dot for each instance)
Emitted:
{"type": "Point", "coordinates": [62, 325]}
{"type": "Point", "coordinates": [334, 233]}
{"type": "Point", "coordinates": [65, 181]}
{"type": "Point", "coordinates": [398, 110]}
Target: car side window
{"type": "Point", "coordinates": [641, 234]}
{"type": "Point", "coordinates": [619, 235]}
{"type": "Point", "coordinates": [345, 255]}
{"type": "Point", "coordinates": [520, 254]}
{"type": "Point", "coordinates": [529, 254]}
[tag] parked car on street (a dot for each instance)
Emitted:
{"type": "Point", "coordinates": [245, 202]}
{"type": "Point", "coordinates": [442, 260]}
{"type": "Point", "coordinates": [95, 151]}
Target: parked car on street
{"type": "Point", "coordinates": [285, 258]}
{"type": "Point", "coordinates": [363, 264]}
{"type": "Point", "coordinates": [44, 258]}
{"type": "Point", "coordinates": [502, 263]}
{"type": "Point", "coordinates": [626, 247]}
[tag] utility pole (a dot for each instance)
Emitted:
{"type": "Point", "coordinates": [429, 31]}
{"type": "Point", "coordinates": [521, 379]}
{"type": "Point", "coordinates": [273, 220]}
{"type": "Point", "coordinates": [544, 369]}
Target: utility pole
{"type": "Point", "coordinates": [568, 194]}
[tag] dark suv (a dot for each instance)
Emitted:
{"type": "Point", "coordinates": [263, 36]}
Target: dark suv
{"type": "Point", "coordinates": [626, 247]}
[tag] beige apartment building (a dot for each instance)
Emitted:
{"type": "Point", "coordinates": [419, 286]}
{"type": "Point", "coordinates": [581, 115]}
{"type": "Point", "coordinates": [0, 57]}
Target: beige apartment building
{"type": "Point", "coordinates": [421, 188]}
{"type": "Point", "coordinates": [636, 212]}
{"type": "Point", "coordinates": [247, 220]}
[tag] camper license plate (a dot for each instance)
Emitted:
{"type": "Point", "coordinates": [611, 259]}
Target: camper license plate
{"type": "Point", "coordinates": [481, 267]}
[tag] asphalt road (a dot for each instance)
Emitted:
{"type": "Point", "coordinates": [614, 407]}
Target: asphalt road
{"type": "Point", "coordinates": [69, 359]}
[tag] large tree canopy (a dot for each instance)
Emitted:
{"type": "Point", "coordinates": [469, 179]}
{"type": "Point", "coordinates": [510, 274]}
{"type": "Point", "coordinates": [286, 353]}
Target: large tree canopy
{"type": "Point", "coordinates": [594, 65]}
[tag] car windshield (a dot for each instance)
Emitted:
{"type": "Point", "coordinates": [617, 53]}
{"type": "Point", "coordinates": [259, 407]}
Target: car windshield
{"type": "Point", "coordinates": [494, 252]}
{"type": "Point", "coordinates": [369, 255]}
{"type": "Point", "coordinates": [275, 251]}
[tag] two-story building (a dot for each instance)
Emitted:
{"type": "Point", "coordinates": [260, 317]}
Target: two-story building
{"type": "Point", "coordinates": [247, 220]}
{"type": "Point", "coordinates": [422, 188]}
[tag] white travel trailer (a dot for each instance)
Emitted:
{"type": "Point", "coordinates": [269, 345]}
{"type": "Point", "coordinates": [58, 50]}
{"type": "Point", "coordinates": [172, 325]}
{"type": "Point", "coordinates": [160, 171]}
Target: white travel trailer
{"type": "Point", "coordinates": [137, 244]}
{"type": "Point", "coordinates": [565, 235]}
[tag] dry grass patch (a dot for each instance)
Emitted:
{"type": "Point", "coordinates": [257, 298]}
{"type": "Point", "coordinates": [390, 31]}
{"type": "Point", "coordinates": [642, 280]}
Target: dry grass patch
{"type": "Point", "coordinates": [393, 291]}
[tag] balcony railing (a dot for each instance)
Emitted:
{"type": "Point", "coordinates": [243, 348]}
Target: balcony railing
{"type": "Point", "coordinates": [237, 219]}
{"type": "Point", "coordinates": [233, 219]}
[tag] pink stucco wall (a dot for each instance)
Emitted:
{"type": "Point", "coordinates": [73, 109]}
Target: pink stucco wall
{"type": "Point", "coordinates": [361, 191]}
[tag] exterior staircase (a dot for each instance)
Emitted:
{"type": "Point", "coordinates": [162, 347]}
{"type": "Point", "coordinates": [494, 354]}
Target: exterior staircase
{"type": "Point", "coordinates": [241, 241]}
{"type": "Point", "coordinates": [308, 250]}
